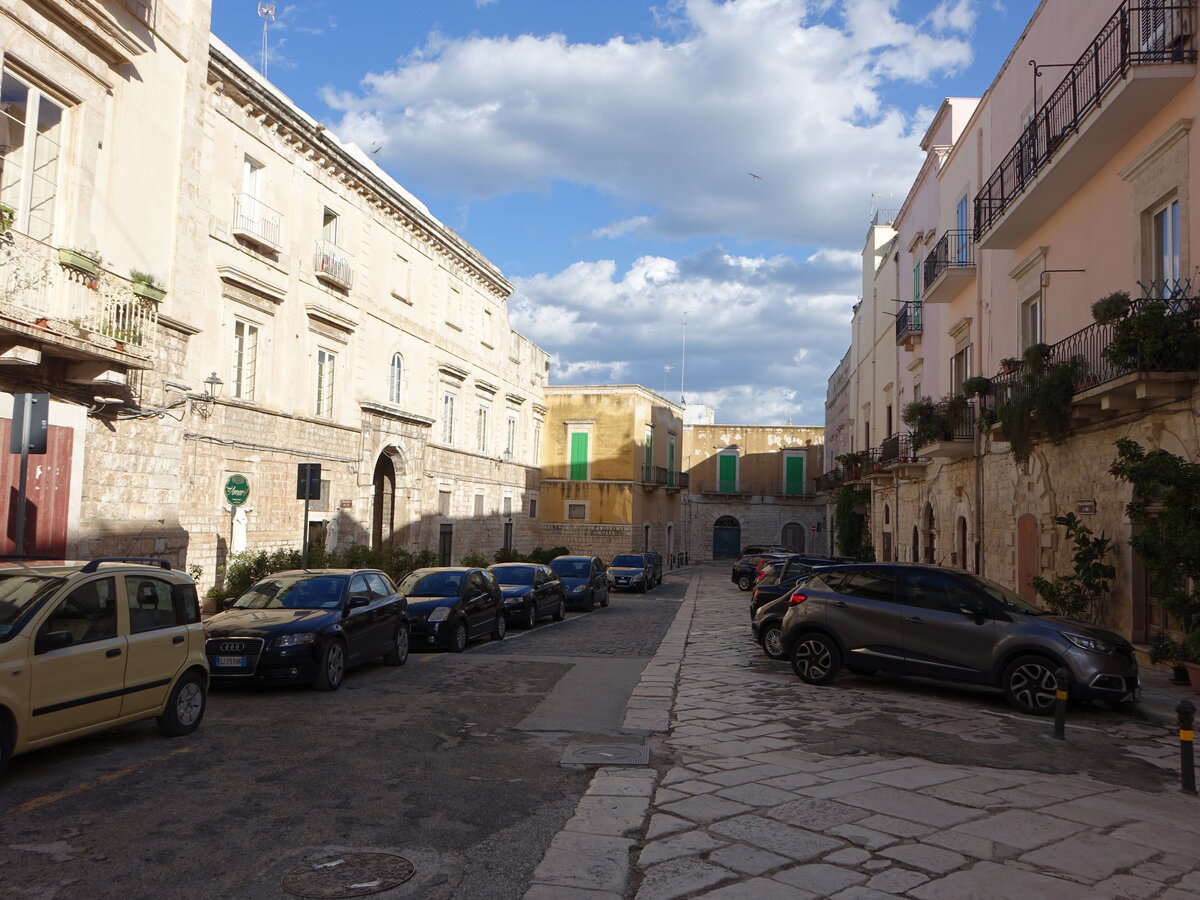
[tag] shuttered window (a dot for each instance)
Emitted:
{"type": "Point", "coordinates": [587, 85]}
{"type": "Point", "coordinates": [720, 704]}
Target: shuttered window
{"type": "Point", "coordinates": [579, 456]}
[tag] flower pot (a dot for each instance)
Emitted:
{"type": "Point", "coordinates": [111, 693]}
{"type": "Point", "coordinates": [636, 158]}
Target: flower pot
{"type": "Point", "coordinates": [148, 291]}
{"type": "Point", "coordinates": [73, 259]}
{"type": "Point", "coordinates": [1179, 674]}
{"type": "Point", "coordinates": [1193, 670]}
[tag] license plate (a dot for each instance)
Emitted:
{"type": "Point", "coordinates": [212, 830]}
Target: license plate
{"type": "Point", "coordinates": [622, 581]}
{"type": "Point", "coordinates": [231, 662]}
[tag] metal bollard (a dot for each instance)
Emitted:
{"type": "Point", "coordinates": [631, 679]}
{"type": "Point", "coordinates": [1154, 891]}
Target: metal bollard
{"type": "Point", "coordinates": [1186, 711]}
{"type": "Point", "coordinates": [1062, 686]}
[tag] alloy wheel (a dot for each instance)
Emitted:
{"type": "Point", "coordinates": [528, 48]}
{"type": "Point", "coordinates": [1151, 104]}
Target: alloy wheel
{"type": "Point", "coordinates": [1032, 686]}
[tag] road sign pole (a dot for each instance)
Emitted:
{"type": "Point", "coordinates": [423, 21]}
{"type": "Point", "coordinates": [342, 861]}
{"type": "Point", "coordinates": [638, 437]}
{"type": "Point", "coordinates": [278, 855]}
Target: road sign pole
{"type": "Point", "coordinates": [304, 561]}
{"type": "Point", "coordinates": [23, 478]}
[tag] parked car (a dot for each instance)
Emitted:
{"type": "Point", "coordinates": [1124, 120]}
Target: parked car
{"type": "Point", "coordinates": [656, 566]}
{"type": "Point", "coordinates": [767, 626]}
{"type": "Point", "coordinates": [585, 578]}
{"type": "Point", "coordinates": [780, 579]}
{"type": "Point", "coordinates": [745, 571]}
{"type": "Point", "coordinates": [758, 549]}
{"type": "Point", "coordinates": [451, 606]}
{"type": "Point", "coordinates": [530, 592]}
{"type": "Point", "coordinates": [88, 647]}
{"type": "Point", "coordinates": [309, 625]}
{"type": "Point", "coordinates": [631, 572]}
{"type": "Point", "coordinates": [948, 624]}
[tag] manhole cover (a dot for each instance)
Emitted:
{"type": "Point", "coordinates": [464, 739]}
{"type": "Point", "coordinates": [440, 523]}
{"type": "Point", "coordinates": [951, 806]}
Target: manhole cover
{"type": "Point", "coordinates": [606, 755]}
{"type": "Point", "coordinates": [348, 875]}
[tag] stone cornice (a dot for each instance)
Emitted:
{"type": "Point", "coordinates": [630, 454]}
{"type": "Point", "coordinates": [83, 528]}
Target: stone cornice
{"type": "Point", "coordinates": [394, 412]}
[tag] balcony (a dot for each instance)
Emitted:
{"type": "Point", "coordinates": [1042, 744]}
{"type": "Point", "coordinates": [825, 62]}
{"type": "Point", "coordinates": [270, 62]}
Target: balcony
{"type": "Point", "coordinates": [334, 265]}
{"type": "Point", "coordinates": [257, 223]}
{"type": "Point", "coordinates": [828, 482]}
{"type": "Point", "coordinates": [678, 480]}
{"type": "Point", "coordinates": [654, 477]}
{"type": "Point", "coordinates": [908, 325]}
{"type": "Point", "coordinates": [791, 489]}
{"type": "Point", "coordinates": [739, 486]}
{"type": "Point", "coordinates": [1142, 57]}
{"type": "Point", "coordinates": [75, 311]}
{"type": "Point", "coordinates": [951, 432]}
{"type": "Point", "coordinates": [949, 267]}
{"type": "Point", "coordinates": [896, 455]}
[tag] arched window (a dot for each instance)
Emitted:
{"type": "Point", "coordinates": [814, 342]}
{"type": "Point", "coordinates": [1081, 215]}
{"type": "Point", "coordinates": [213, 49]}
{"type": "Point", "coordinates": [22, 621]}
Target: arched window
{"type": "Point", "coordinates": [396, 379]}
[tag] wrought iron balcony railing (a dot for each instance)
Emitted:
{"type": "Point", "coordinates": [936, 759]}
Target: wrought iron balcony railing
{"type": "Point", "coordinates": [791, 489]}
{"type": "Point", "coordinates": [1139, 32]}
{"type": "Point", "coordinates": [955, 250]}
{"type": "Point", "coordinates": [255, 221]}
{"type": "Point", "coordinates": [334, 264]}
{"type": "Point", "coordinates": [908, 320]}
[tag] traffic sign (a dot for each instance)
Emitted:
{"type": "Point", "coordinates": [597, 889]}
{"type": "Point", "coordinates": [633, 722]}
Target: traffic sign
{"type": "Point", "coordinates": [237, 490]}
{"type": "Point", "coordinates": [308, 481]}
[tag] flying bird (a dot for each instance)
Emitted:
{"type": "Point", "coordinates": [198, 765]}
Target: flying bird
{"type": "Point", "coordinates": [752, 175]}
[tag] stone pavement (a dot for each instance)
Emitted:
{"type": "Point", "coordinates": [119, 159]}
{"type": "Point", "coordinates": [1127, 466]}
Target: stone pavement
{"type": "Point", "coordinates": [767, 788]}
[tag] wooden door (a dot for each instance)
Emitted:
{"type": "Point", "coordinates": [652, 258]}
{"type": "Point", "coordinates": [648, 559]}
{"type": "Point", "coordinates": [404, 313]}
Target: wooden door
{"type": "Point", "coordinates": [47, 494]}
{"type": "Point", "coordinates": [1029, 557]}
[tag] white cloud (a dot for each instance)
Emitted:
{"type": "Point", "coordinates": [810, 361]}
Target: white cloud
{"type": "Point", "coordinates": [787, 89]}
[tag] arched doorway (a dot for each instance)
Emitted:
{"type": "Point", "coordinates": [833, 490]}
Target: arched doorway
{"type": "Point", "coordinates": [727, 538]}
{"type": "Point", "coordinates": [387, 507]}
{"type": "Point", "coordinates": [1029, 562]}
{"type": "Point", "coordinates": [793, 537]}
{"type": "Point", "coordinates": [960, 543]}
{"type": "Point", "coordinates": [928, 526]}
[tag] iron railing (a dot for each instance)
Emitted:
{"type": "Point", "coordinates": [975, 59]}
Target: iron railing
{"type": "Point", "coordinates": [955, 250]}
{"type": "Point", "coordinates": [828, 481]}
{"type": "Point", "coordinates": [791, 489]}
{"type": "Point", "coordinates": [725, 486]}
{"type": "Point", "coordinates": [908, 320]}
{"type": "Point", "coordinates": [951, 422]}
{"type": "Point", "coordinates": [254, 219]}
{"type": "Point", "coordinates": [334, 264]}
{"type": "Point", "coordinates": [1139, 32]}
{"type": "Point", "coordinates": [678, 480]}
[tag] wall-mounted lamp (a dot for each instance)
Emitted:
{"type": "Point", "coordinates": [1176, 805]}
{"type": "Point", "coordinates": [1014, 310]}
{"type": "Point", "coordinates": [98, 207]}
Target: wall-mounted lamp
{"type": "Point", "coordinates": [203, 405]}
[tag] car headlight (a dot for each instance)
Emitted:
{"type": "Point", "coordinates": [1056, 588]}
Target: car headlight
{"type": "Point", "coordinates": [577, 589]}
{"type": "Point", "coordinates": [1087, 643]}
{"type": "Point", "coordinates": [294, 640]}
{"type": "Point", "coordinates": [440, 614]}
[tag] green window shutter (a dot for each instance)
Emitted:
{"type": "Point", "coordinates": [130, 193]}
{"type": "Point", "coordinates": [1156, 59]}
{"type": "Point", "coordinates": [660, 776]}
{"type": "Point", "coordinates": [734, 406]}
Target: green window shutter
{"type": "Point", "coordinates": [579, 456]}
{"type": "Point", "coordinates": [671, 464]}
{"type": "Point", "coordinates": [794, 475]}
{"type": "Point", "coordinates": [728, 474]}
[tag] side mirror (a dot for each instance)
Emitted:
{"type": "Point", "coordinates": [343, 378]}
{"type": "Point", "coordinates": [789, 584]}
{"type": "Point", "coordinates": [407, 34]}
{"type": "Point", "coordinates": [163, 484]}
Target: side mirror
{"type": "Point", "coordinates": [356, 602]}
{"type": "Point", "coordinates": [975, 609]}
{"type": "Point", "coordinates": [227, 603]}
{"type": "Point", "coordinates": [53, 640]}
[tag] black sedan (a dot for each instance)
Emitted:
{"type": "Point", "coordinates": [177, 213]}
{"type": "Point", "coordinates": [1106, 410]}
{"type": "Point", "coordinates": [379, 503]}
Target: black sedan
{"type": "Point", "coordinates": [745, 570]}
{"type": "Point", "coordinates": [309, 625]}
{"type": "Point", "coordinates": [450, 606]}
{"type": "Point", "coordinates": [784, 578]}
{"type": "Point", "coordinates": [530, 592]}
{"type": "Point", "coordinates": [767, 625]}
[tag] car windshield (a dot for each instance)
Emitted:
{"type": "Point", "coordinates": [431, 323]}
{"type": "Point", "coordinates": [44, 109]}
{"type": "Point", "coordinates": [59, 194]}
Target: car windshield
{"type": "Point", "coordinates": [432, 584]}
{"type": "Point", "coordinates": [19, 591]}
{"type": "Point", "coordinates": [571, 568]}
{"type": "Point", "coordinates": [294, 592]}
{"type": "Point", "coordinates": [519, 575]}
{"type": "Point", "coordinates": [628, 562]}
{"type": "Point", "coordinates": [1003, 595]}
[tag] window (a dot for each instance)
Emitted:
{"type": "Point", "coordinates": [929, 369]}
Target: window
{"type": "Point", "coordinates": [89, 612]}
{"type": "Point", "coordinates": [31, 128]}
{"type": "Point", "coordinates": [1033, 321]}
{"type": "Point", "coordinates": [510, 438]}
{"type": "Point", "coordinates": [793, 473]}
{"type": "Point", "coordinates": [448, 419]}
{"type": "Point", "coordinates": [396, 380]}
{"type": "Point", "coordinates": [245, 359]}
{"type": "Point", "coordinates": [671, 462]}
{"type": "Point", "coordinates": [481, 429]}
{"type": "Point", "coordinates": [533, 507]}
{"type": "Point", "coordinates": [487, 337]}
{"type": "Point", "coordinates": [1166, 247]}
{"type": "Point", "coordinates": [402, 279]}
{"type": "Point", "coordinates": [443, 503]}
{"type": "Point", "coordinates": [251, 178]}
{"type": "Point", "coordinates": [932, 590]}
{"type": "Point", "coordinates": [868, 585]}
{"type": "Point", "coordinates": [578, 440]}
{"type": "Point", "coordinates": [507, 507]}
{"type": "Point", "coordinates": [917, 280]}
{"type": "Point", "coordinates": [576, 510]}
{"type": "Point", "coordinates": [478, 505]}
{"type": "Point", "coordinates": [887, 420]}
{"type": "Point", "coordinates": [960, 369]}
{"type": "Point", "coordinates": [329, 227]}
{"type": "Point", "coordinates": [648, 456]}
{"type": "Point", "coordinates": [962, 218]}
{"type": "Point", "coordinates": [537, 444]}
{"type": "Point", "coordinates": [727, 472]}
{"type": "Point", "coordinates": [151, 604]}
{"type": "Point", "coordinates": [326, 365]}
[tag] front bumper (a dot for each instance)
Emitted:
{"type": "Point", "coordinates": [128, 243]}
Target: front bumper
{"type": "Point", "coordinates": [284, 664]}
{"type": "Point", "coordinates": [424, 634]}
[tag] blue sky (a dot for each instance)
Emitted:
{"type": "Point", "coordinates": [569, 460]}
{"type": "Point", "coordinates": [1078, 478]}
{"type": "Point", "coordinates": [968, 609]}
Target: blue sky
{"type": "Point", "coordinates": [600, 154]}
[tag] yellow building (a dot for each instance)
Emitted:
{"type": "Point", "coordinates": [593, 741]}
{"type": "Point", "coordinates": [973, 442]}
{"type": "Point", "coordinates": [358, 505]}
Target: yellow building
{"type": "Point", "coordinates": [611, 471]}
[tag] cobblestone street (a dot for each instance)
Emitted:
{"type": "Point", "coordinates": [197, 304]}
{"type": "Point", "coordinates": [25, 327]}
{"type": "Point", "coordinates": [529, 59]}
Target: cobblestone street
{"type": "Point", "coordinates": [768, 788]}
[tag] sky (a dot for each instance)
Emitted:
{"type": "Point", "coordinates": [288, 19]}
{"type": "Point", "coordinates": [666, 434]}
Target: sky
{"type": "Point", "coordinates": [678, 190]}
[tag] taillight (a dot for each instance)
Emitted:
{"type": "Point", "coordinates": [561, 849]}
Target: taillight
{"type": "Point", "coordinates": [797, 598]}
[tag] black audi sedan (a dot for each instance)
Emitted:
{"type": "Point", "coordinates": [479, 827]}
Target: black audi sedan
{"type": "Point", "coordinates": [309, 625]}
{"type": "Point", "coordinates": [530, 592]}
{"type": "Point", "coordinates": [450, 606]}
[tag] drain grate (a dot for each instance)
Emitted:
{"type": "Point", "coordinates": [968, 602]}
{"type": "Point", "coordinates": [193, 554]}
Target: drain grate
{"type": "Point", "coordinates": [606, 755]}
{"type": "Point", "coordinates": [348, 875]}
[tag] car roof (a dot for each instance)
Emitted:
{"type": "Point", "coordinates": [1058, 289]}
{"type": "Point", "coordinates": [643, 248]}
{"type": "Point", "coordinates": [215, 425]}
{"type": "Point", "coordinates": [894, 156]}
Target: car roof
{"type": "Point", "coordinates": [514, 564]}
{"type": "Point", "coordinates": [64, 569]}
{"type": "Point", "coordinates": [572, 556]}
{"type": "Point", "coordinates": [427, 569]}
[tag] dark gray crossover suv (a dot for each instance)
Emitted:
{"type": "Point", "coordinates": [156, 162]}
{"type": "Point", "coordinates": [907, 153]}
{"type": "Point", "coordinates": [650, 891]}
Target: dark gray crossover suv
{"type": "Point", "coordinates": [945, 623]}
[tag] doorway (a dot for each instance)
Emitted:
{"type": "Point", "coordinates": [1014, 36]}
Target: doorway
{"type": "Point", "coordinates": [793, 537]}
{"type": "Point", "coordinates": [727, 538]}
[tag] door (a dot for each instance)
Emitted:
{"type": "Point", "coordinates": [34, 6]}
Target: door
{"type": "Point", "coordinates": [887, 546]}
{"type": "Point", "coordinates": [793, 537]}
{"type": "Point", "coordinates": [864, 612]}
{"type": "Point", "coordinates": [727, 538]}
{"type": "Point", "coordinates": [940, 640]}
{"type": "Point", "coordinates": [480, 609]}
{"type": "Point", "coordinates": [727, 473]}
{"type": "Point", "coordinates": [445, 544]}
{"type": "Point", "coordinates": [81, 684]}
{"type": "Point", "coordinates": [158, 643]}
{"type": "Point", "coordinates": [47, 494]}
{"type": "Point", "coordinates": [361, 624]}
{"type": "Point", "coordinates": [1028, 556]}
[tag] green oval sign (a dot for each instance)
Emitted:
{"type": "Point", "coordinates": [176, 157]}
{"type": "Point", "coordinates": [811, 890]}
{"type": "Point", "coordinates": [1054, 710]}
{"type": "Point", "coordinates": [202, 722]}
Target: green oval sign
{"type": "Point", "coordinates": [237, 490]}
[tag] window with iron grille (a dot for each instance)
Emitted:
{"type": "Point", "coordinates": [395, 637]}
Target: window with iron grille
{"type": "Point", "coordinates": [245, 359]}
{"type": "Point", "coordinates": [396, 379]}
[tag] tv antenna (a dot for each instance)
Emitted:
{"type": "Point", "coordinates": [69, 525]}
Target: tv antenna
{"type": "Point", "coordinates": [666, 371]}
{"type": "Point", "coordinates": [683, 361]}
{"type": "Point", "coordinates": [266, 12]}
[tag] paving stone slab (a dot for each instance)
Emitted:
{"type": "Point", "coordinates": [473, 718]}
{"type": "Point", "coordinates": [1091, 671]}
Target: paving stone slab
{"type": "Point", "coordinates": [926, 857]}
{"type": "Point", "coordinates": [757, 795]}
{"type": "Point", "coordinates": [558, 892]}
{"type": "Point", "coordinates": [608, 815]}
{"type": "Point", "coordinates": [816, 814]}
{"type": "Point", "coordinates": [819, 878]}
{"type": "Point", "coordinates": [1021, 829]}
{"type": "Point", "coordinates": [864, 837]}
{"type": "Point", "coordinates": [1090, 856]}
{"type": "Point", "coordinates": [896, 881]}
{"type": "Point", "coordinates": [861, 892]}
{"type": "Point", "coordinates": [747, 860]}
{"type": "Point", "coordinates": [745, 775]}
{"type": "Point", "coordinates": [836, 788]}
{"type": "Point", "coordinates": [620, 786]}
{"type": "Point", "coordinates": [851, 856]}
{"type": "Point", "coordinates": [757, 889]}
{"type": "Point", "coordinates": [913, 807]}
{"type": "Point", "coordinates": [689, 843]}
{"type": "Point", "coordinates": [589, 861]}
{"type": "Point", "coordinates": [897, 827]}
{"type": "Point", "coordinates": [695, 786]}
{"type": "Point", "coordinates": [1131, 886]}
{"type": "Point", "coordinates": [776, 837]}
{"type": "Point", "coordinates": [914, 777]}
{"type": "Point", "coordinates": [680, 877]}
{"type": "Point", "coordinates": [662, 824]}
{"type": "Point", "coordinates": [705, 808]}
{"type": "Point", "coordinates": [991, 881]}
{"type": "Point", "coordinates": [967, 844]}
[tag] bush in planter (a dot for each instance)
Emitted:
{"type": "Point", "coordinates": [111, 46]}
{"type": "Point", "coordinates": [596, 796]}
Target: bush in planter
{"type": "Point", "coordinates": [1015, 415]}
{"type": "Point", "coordinates": [1108, 310]}
{"type": "Point", "coordinates": [1010, 364]}
{"type": "Point", "coordinates": [977, 386]}
{"type": "Point", "coordinates": [949, 413]}
{"type": "Point", "coordinates": [1035, 359]}
{"type": "Point", "coordinates": [1153, 338]}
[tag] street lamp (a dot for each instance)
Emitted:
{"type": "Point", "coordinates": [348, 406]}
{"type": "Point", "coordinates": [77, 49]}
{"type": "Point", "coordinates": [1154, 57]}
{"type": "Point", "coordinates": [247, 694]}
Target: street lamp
{"type": "Point", "coordinates": [203, 405]}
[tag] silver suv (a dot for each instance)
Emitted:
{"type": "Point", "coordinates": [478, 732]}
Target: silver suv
{"type": "Point", "coordinates": [949, 624]}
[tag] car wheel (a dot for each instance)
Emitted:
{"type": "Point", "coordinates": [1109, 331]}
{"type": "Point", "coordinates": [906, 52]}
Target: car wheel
{"type": "Point", "coordinates": [332, 668]}
{"type": "Point", "coordinates": [1030, 686]}
{"type": "Point", "coordinates": [560, 611]}
{"type": "Point", "coordinates": [771, 638]}
{"type": "Point", "coordinates": [458, 638]}
{"type": "Point", "coordinates": [182, 715]}
{"type": "Point", "coordinates": [591, 601]}
{"type": "Point", "coordinates": [398, 655]}
{"type": "Point", "coordinates": [816, 658]}
{"type": "Point", "coordinates": [530, 615]}
{"type": "Point", "coordinates": [745, 582]}
{"type": "Point", "coordinates": [500, 628]}
{"type": "Point", "coordinates": [604, 602]}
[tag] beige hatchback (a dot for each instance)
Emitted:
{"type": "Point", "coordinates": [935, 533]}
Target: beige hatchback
{"type": "Point", "coordinates": [86, 647]}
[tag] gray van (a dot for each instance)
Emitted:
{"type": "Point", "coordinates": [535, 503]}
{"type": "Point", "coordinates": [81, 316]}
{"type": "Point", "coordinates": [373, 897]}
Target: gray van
{"type": "Point", "coordinates": [584, 578]}
{"type": "Point", "coordinates": [945, 623]}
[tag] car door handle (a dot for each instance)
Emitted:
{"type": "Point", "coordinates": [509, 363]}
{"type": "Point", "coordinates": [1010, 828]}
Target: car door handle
{"type": "Point", "coordinates": [840, 604]}
{"type": "Point", "coordinates": [178, 639]}
{"type": "Point", "coordinates": [916, 620]}
{"type": "Point", "coordinates": [115, 651]}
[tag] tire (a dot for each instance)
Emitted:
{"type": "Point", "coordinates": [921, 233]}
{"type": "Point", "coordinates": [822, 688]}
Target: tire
{"type": "Point", "coordinates": [182, 714]}
{"type": "Point", "coordinates": [771, 639]}
{"type": "Point", "coordinates": [1029, 684]}
{"type": "Point", "coordinates": [398, 655]}
{"type": "Point", "coordinates": [332, 668]}
{"type": "Point", "coordinates": [604, 602]}
{"type": "Point", "coordinates": [531, 615]}
{"type": "Point", "coordinates": [816, 658]}
{"type": "Point", "coordinates": [500, 628]}
{"type": "Point", "coordinates": [458, 637]}
{"type": "Point", "coordinates": [591, 601]}
{"type": "Point", "coordinates": [560, 611]}
{"type": "Point", "coordinates": [745, 582]}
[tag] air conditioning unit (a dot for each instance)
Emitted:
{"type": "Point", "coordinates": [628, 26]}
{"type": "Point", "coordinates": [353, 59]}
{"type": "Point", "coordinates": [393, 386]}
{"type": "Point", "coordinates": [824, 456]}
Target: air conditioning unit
{"type": "Point", "coordinates": [1164, 28]}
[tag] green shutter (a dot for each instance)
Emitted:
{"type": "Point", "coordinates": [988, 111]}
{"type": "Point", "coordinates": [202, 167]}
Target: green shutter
{"type": "Point", "coordinates": [794, 475]}
{"type": "Point", "coordinates": [728, 474]}
{"type": "Point", "coordinates": [671, 464]}
{"type": "Point", "coordinates": [579, 456]}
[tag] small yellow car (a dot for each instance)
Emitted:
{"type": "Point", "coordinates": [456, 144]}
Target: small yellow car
{"type": "Point", "coordinates": [86, 647]}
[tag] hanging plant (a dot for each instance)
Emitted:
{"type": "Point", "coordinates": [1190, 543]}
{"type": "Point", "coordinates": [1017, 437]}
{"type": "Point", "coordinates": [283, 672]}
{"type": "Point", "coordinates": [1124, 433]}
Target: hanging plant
{"type": "Point", "coordinates": [919, 416]}
{"type": "Point", "coordinates": [8, 216]}
{"type": "Point", "coordinates": [1154, 338]}
{"type": "Point", "coordinates": [1052, 397]}
{"type": "Point", "coordinates": [1035, 359]}
{"type": "Point", "coordinates": [1016, 422]}
{"type": "Point", "coordinates": [850, 522]}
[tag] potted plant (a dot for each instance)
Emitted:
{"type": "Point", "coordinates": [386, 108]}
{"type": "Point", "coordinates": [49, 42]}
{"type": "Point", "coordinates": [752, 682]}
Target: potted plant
{"type": "Point", "coordinates": [977, 386]}
{"type": "Point", "coordinates": [1009, 364]}
{"type": "Point", "coordinates": [1163, 649]}
{"type": "Point", "coordinates": [8, 216]}
{"type": "Point", "coordinates": [86, 261]}
{"type": "Point", "coordinates": [146, 285]}
{"type": "Point", "coordinates": [1154, 337]}
{"type": "Point", "coordinates": [1035, 358]}
{"type": "Point", "coordinates": [1109, 309]}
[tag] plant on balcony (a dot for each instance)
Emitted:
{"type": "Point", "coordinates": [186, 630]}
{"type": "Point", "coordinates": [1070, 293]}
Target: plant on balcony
{"type": "Point", "coordinates": [850, 523]}
{"type": "Point", "coordinates": [919, 416]}
{"type": "Point", "coordinates": [127, 334]}
{"type": "Point", "coordinates": [86, 261]}
{"type": "Point", "coordinates": [987, 418]}
{"type": "Point", "coordinates": [1110, 308]}
{"type": "Point", "coordinates": [146, 285]}
{"type": "Point", "coordinates": [1052, 394]}
{"type": "Point", "coordinates": [1165, 514]}
{"type": "Point", "coordinates": [1010, 364]}
{"type": "Point", "coordinates": [1035, 358]}
{"type": "Point", "coordinates": [1015, 415]}
{"type": "Point", "coordinates": [1080, 594]}
{"type": "Point", "coordinates": [977, 386]}
{"type": "Point", "coordinates": [1154, 338]}
{"type": "Point", "coordinates": [8, 216]}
